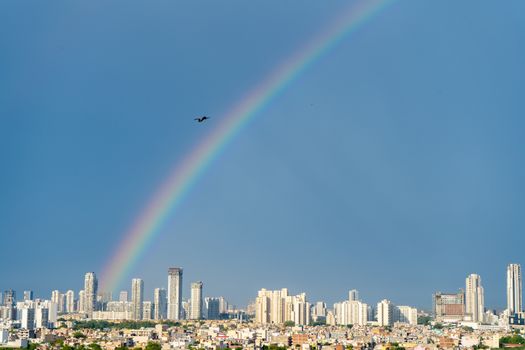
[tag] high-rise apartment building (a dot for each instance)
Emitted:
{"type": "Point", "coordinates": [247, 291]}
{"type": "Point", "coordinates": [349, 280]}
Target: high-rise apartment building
{"type": "Point", "coordinates": [137, 298]}
{"type": "Point", "coordinates": [474, 298]}
{"type": "Point", "coordinates": [300, 309]}
{"type": "Point", "coordinates": [196, 301]}
{"type": "Point", "coordinates": [90, 293]}
{"type": "Point", "coordinates": [351, 312]}
{"type": "Point", "coordinates": [278, 307]}
{"type": "Point", "coordinates": [514, 289]}
{"type": "Point", "coordinates": [406, 314]}
{"type": "Point", "coordinates": [385, 313]}
{"type": "Point", "coordinates": [263, 306]}
{"type": "Point", "coordinates": [59, 300]}
{"type": "Point", "coordinates": [160, 304]}
{"type": "Point", "coordinates": [174, 293]}
{"type": "Point", "coordinates": [353, 295]}
{"type": "Point", "coordinates": [81, 301]}
{"type": "Point", "coordinates": [319, 311]}
{"type": "Point", "coordinates": [27, 318]}
{"type": "Point", "coordinates": [223, 305]}
{"type": "Point", "coordinates": [70, 301]}
{"type": "Point", "coordinates": [185, 310]}
{"type": "Point", "coordinates": [212, 308]}
{"type": "Point", "coordinates": [123, 296]}
{"type": "Point", "coordinates": [147, 310]}
{"type": "Point", "coordinates": [42, 316]}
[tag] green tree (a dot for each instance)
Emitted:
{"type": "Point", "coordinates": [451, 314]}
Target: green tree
{"type": "Point", "coordinates": [514, 339]}
{"type": "Point", "coordinates": [58, 342]}
{"type": "Point", "coordinates": [289, 324]}
{"type": "Point", "coordinates": [153, 346]}
{"type": "Point", "coordinates": [79, 335]}
{"type": "Point", "coordinates": [424, 320]}
{"type": "Point", "coordinates": [95, 346]}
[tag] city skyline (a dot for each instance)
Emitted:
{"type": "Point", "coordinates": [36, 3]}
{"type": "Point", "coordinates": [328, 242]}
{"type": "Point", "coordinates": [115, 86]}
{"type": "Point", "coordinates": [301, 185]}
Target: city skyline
{"type": "Point", "coordinates": [347, 150]}
{"type": "Point", "coordinates": [277, 307]}
{"type": "Point", "coordinates": [473, 295]}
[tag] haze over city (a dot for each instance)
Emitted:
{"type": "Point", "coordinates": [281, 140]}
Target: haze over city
{"type": "Point", "coordinates": [392, 163]}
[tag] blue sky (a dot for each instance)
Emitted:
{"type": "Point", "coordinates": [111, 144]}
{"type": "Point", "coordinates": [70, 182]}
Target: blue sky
{"type": "Point", "coordinates": [393, 165]}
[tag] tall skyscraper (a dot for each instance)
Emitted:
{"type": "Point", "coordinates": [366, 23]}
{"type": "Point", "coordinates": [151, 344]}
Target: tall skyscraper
{"type": "Point", "coordinates": [196, 301]}
{"type": "Point", "coordinates": [70, 301]}
{"type": "Point", "coordinates": [174, 293]}
{"type": "Point", "coordinates": [160, 304]}
{"type": "Point", "coordinates": [474, 298]}
{"type": "Point", "coordinates": [353, 295]}
{"type": "Point", "coordinates": [81, 301]}
{"type": "Point", "coordinates": [137, 298]}
{"type": "Point", "coordinates": [90, 293]}
{"type": "Point", "coordinates": [514, 289]}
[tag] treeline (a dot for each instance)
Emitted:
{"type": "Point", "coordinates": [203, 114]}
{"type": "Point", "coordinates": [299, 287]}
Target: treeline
{"type": "Point", "coordinates": [513, 339]}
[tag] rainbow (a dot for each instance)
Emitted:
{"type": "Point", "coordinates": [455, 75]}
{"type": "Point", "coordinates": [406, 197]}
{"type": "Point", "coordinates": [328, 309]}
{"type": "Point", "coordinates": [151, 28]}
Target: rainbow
{"type": "Point", "coordinates": [182, 178]}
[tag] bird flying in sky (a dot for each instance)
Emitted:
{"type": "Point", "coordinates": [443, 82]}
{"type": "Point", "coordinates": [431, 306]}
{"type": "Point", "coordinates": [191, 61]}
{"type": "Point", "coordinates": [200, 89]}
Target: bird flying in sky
{"type": "Point", "coordinates": [201, 119]}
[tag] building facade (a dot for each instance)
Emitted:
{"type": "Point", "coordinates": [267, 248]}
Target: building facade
{"type": "Point", "coordinates": [160, 304]}
{"type": "Point", "coordinates": [514, 289]}
{"type": "Point", "coordinates": [474, 299]}
{"type": "Point", "coordinates": [137, 298]}
{"type": "Point", "coordinates": [196, 301]}
{"type": "Point", "coordinates": [278, 307]}
{"type": "Point", "coordinates": [385, 313]}
{"type": "Point", "coordinates": [212, 308]}
{"type": "Point", "coordinates": [174, 293]}
{"type": "Point", "coordinates": [449, 306]}
{"type": "Point", "coordinates": [90, 293]}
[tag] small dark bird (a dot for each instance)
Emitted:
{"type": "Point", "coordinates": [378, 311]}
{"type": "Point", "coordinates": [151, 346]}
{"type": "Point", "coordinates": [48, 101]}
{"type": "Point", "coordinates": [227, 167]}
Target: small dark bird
{"type": "Point", "coordinates": [201, 119]}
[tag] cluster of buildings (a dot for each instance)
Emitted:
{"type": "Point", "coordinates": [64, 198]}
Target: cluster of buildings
{"type": "Point", "coordinates": [89, 303]}
{"type": "Point", "coordinates": [277, 307]}
{"type": "Point", "coordinates": [468, 305]}
{"type": "Point", "coordinates": [277, 317]}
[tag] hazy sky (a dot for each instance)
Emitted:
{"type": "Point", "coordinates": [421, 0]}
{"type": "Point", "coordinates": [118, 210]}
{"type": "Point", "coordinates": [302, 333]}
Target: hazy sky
{"type": "Point", "coordinates": [393, 165]}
